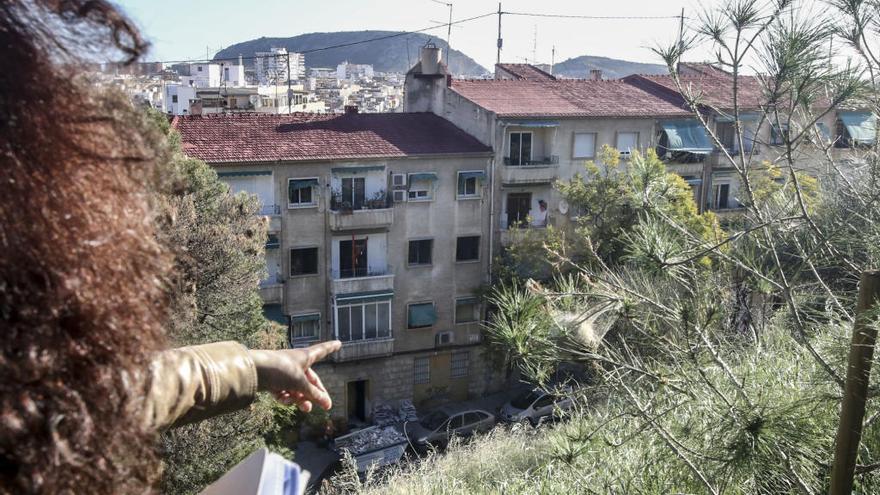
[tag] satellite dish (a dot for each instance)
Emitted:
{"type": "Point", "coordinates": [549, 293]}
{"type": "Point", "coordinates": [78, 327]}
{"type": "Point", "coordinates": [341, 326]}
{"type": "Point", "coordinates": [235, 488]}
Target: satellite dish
{"type": "Point", "coordinates": [563, 206]}
{"type": "Point", "coordinates": [254, 99]}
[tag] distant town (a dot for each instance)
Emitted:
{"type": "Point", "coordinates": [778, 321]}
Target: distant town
{"type": "Point", "coordinates": [277, 82]}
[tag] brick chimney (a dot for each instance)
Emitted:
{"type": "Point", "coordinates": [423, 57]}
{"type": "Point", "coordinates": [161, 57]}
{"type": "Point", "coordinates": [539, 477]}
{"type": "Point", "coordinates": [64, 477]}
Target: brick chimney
{"type": "Point", "coordinates": [350, 109]}
{"type": "Point", "coordinates": [595, 74]}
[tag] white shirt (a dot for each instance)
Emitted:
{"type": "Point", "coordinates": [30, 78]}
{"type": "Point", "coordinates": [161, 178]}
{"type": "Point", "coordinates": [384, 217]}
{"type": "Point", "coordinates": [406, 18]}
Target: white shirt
{"type": "Point", "coordinates": [539, 218]}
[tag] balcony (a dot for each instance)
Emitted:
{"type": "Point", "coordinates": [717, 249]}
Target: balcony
{"type": "Point", "coordinates": [362, 214]}
{"type": "Point", "coordinates": [271, 292]}
{"type": "Point", "coordinates": [547, 160]}
{"type": "Point", "coordinates": [273, 212]}
{"type": "Point", "coordinates": [511, 235]}
{"type": "Point", "coordinates": [535, 172]}
{"type": "Point", "coordinates": [364, 349]}
{"type": "Point", "coordinates": [362, 280]}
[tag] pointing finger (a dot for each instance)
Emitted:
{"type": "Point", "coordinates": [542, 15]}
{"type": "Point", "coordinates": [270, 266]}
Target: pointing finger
{"type": "Point", "coordinates": [318, 352]}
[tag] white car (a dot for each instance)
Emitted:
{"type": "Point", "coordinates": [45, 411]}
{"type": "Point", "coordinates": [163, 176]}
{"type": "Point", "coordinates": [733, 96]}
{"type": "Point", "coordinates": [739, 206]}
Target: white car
{"type": "Point", "coordinates": [535, 406]}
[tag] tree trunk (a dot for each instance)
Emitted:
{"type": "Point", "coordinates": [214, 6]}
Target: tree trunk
{"type": "Point", "coordinates": [852, 411]}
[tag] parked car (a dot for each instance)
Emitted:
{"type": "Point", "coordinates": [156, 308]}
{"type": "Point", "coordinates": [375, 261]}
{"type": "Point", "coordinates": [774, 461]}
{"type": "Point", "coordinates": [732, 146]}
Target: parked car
{"type": "Point", "coordinates": [441, 425]}
{"type": "Point", "coordinates": [535, 406]}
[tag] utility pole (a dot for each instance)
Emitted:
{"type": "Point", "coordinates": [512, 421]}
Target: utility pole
{"type": "Point", "coordinates": [535, 46]}
{"type": "Point", "coordinates": [681, 32]}
{"type": "Point", "coordinates": [552, 59]}
{"type": "Point", "coordinates": [448, 38]}
{"type": "Point", "coordinates": [500, 42]}
{"type": "Point", "coordinates": [858, 372]}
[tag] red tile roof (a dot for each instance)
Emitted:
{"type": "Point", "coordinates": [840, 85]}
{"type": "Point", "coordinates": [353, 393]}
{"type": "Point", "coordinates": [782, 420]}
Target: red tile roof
{"type": "Point", "coordinates": [713, 87]}
{"type": "Point", "coordinates": [525, 71]}
{"type": "Point", "coordinates": [255, 137]}
{"type": "Point", "coordinates": [566, 98]}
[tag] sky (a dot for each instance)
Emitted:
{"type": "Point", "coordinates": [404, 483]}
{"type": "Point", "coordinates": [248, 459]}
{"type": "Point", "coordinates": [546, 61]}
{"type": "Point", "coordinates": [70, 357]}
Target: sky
{"type": "Point", "coordinates": [185, 30]}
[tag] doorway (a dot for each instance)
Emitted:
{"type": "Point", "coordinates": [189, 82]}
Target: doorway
{"type": "Point", "coordinates": [353, 258]}
{"type": "Point", "coordinates": [518, 207]}
{"type": "Point", "coordinates": [356, 401]}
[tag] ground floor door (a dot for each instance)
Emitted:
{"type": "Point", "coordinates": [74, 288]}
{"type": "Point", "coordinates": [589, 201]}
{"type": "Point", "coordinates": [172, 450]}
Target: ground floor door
{"type": "Point", "coordinates": [356, 400]}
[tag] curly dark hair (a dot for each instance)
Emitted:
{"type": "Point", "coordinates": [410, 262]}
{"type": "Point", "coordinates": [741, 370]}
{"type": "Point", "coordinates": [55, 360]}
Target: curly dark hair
{"type": "Point", "coordinates": [82, 277]}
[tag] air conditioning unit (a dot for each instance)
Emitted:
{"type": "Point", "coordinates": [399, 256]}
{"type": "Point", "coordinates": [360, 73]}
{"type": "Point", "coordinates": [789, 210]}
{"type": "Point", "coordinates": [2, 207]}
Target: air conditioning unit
{"type": "Point", "coordinates": [398, 180]}
{"type": "Point", "coordinates": [399, 196]}
{"type": "Point", "coordinates": [443, 338]}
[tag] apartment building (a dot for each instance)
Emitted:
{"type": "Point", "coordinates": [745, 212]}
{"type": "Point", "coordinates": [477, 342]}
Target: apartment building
{"type": "Point", "coordinates": [278, 65]}
{"type": "Point", "coordinates": [378, 237]}
{"type": "Point", "coordinates": [541, 129]}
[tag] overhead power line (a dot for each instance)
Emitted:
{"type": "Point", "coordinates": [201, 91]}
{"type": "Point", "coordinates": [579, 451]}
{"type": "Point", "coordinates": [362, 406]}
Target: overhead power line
{"type": "Point", "coordinates": [342, 45]}
{"type": "Point", "coordinates": [599, 17]}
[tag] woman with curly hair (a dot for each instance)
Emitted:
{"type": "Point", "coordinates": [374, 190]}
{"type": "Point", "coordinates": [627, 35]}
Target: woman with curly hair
{"type": "Point", "coordinates": [84, 383]}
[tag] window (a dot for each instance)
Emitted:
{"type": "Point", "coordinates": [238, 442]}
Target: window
{"type": "Point", "coordinates": [303, 261]}
{"type": "Point", "coordinates": [200, 68]}
{"type": "Point", "coordinates": [467, 309]}
{"type": "Point", "coordinates": [304, 327]}
{"type": "Point", "coordinates": [421, 186]}
{"type": "Point", "coordinates": [778, 134]}
{"type": "Point", "coordinates": [627, 142]}
{"type": "Point", "coordinates": [420, 251]}
{"type": "Point", "coordinates": [469, 184]}
{"type": "Point", "coordinates": [173, 98]}
{"type": "Point", "coordinates": [363, 320]}
{"type": "Point", "coordinates": [459, 366]}
{"type": "Point", "coordinates": [354, 193]}
{"type": "Point", "coordinates": [422, 370]}
{"type": "Point", "coordinates": [467, 248]}
{"type": "Point", "coordinates": [520, 148]}
{"type": "Point", "coordinates": [420, 315]}
{"type": "Point", "coordinates": [301, 192]}
{"type": "Point", "coordinates": [721, 197]}
{"type": "Point", "coordinates": [584, 145]}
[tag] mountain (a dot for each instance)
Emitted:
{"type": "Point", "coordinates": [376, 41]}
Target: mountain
{"type": "Point", "coordinates": [579, 67]}
{"type": "Point", "coordinates": [397, 54]}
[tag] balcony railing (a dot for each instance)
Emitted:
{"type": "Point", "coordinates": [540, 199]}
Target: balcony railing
{"type": "Point", "coordinates": [547, 160]}
{"type": "Point", "coordinates": [269, 210]}
{"type": "Point", "coordinates": [378, 201]}
{"type": "Point", "coordinates": [360, 272]}
{"type": "Point", "coordinates": [362, 349]}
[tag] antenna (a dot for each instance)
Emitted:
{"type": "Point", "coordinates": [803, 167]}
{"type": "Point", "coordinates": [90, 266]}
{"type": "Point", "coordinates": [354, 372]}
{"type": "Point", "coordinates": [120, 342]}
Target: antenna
{"type": "Point", "coordinates": [552, 59]}
{"type": "Point", "coordinates": [500, 41]}
{"type": "Point", "coordinates": [535, 45]}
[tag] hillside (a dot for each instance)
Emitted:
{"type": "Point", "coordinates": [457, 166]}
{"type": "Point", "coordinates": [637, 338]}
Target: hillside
{"type": "Point", "coordinates": [396, 54]}
{"type": "Point", "coordinates": [580, 67]}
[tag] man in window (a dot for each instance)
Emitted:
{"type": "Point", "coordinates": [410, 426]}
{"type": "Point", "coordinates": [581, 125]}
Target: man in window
{"type": "Point", "coordinates": [539, 218]}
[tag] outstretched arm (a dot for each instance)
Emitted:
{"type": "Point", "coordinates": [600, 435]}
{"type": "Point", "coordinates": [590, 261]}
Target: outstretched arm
{"type": "Point", "coordinates": [197, 382]}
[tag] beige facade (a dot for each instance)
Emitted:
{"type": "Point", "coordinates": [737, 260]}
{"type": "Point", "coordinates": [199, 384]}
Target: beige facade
{"type": "Point", "coordinates": [342, 239]}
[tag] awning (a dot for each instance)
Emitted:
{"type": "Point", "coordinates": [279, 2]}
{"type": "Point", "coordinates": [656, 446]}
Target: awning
{"type": "Point", "coordinates": [468, 175]}
{"type": "Point", "coordinates": [823, 130]}
{"type": "Point", "coordinates": [273, 312]}
{"type": "Point", "coordinates": [861, 126]}
{"type": "Point", "coordinates": [534, 123]}
{"type": "Point", "coordinates": [363, 297]}
{"type": "Point", "coordinates": [694, 182]}
{"type": "Point", "coordinates": [423, 176]}
{"type": "Point", "coordinates": [303, 318]}
{"type": "Point", "coordinates": [421, 315]}
{"type": "Point", "coordinates": [244, 173]}
{"type": "Point", "coordinates": [272, 242]}
{"type": "Point", "coordinates": [743, 117]}
{"type": "Point", "coordinates": [297, 184]}
{"type": "Point", "coordinates": [687, 135]}
{"type": "Point", "coordinates": [365, 168]}
{"type": "Point", "coordinates": [467, 300]}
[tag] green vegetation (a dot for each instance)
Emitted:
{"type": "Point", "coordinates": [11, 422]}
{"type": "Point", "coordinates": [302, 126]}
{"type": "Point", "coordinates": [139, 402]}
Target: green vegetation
{"type": "Point", "coordinates": [218, 241]}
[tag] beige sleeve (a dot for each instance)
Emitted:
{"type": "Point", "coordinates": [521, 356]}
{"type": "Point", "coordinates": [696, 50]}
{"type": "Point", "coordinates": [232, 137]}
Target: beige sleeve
{"type": "Point", "coordinates": [197, 382]}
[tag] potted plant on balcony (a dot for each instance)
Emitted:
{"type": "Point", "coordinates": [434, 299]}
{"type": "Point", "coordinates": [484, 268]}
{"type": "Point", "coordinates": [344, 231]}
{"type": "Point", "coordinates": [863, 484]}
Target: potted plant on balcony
{"type": "Point", "coordinates": [377, 201]}
{"type": "Point", "coordinates": [337, 204]}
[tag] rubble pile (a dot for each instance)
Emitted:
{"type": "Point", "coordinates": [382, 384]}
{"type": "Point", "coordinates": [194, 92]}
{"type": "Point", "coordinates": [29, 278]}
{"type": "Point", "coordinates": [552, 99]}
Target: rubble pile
{"type": "Point", "coordinates": [385, 414]}
{"type": "Point", "coordinates": [370, 439]}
